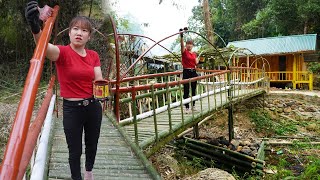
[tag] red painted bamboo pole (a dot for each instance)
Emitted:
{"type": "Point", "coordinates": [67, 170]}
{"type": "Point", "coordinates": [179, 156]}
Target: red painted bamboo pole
{"type": "Point", "coordinates": [15, 146]}
{"type": "Point", "coordinates": [117, 98]}
{"type": "Point", "coordinates": [34, 130]}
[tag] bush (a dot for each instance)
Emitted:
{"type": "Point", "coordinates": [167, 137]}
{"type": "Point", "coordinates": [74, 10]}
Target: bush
{"type": "Point", "coordinates": [314, 67]}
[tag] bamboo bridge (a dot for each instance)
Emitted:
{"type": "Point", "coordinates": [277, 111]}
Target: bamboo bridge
{"type": "Point", "coordinates": [145, 113]}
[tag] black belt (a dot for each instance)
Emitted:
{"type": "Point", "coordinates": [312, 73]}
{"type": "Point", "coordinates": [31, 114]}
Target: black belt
{"type": "Point", "coordinates": [84, 102]}
{"type": "Point", "coordinates": [190, 69]}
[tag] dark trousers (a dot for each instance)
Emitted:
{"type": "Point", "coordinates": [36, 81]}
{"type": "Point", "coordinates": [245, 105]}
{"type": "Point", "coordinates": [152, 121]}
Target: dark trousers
{"type": "Point", "coordinates": [76, 119]}
{"type": "Point", "coordinates": [187, 74]}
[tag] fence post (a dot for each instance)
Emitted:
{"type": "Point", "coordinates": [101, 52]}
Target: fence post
{"type": "Point", "coordinates": [311, 81]}
{"type": "Point", "coordinates": [169, 109]}
{"type": "Point", "coordinates": [181, 102]}
{"type": "Point", "coordinates": [135, 123]}
{"type": "Point", "coordinates": [154, 112]}
{"type": "Point", "coordinates": [230, 108]}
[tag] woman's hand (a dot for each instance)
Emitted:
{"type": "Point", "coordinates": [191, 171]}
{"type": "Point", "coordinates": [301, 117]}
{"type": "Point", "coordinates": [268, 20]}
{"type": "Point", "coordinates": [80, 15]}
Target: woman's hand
{"type": "Point", "coordinates": [32, 16]}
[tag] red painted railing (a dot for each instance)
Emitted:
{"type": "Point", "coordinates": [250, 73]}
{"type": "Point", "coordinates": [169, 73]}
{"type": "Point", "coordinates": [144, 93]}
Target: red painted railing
{"type": "Point", "coordinates": [15, 146]}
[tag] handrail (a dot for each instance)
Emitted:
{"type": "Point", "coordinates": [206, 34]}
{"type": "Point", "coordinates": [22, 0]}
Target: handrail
{"type": "Point", "coordinates": [15, 146]}
{"type": "Point", "coordinates": [34, 130]}
{"type": "Point", "coordinates": [147, 76]}
{"type": "Point", "coordinates": [163, 85]}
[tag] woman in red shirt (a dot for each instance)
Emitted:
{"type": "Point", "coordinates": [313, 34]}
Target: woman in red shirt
{"type": "Point", "coordinates": [77, 68]}
{"type": "Point", "coordinates": [189, 63]}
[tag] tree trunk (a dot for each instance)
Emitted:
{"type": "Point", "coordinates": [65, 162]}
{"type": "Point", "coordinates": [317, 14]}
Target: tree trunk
{"type": "Point", "coordinates": [305, 29]}
{"type": "Point", "coordinates": [207, 21]}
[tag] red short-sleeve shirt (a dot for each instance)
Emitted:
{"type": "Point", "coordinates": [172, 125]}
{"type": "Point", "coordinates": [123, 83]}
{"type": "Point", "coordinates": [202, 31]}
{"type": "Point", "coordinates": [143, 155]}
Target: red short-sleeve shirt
{"type": "Point", "coordinates": [76, 73]}
{"type": "Point", "coordinates": [189, 59]}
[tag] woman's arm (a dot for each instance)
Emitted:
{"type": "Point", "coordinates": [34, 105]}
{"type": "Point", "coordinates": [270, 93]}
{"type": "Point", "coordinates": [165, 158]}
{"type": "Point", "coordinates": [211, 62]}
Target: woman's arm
{"type": "Point", "coordinates": [97, 73]}
{"type": "Point", "coordinates": [197, 60]}
{"type": "Point", "coordinates": [52, 50]}
{"type": "Point", "coordinates": [32, 16]}
{"type": "Point", "coordinates": [181, 44]}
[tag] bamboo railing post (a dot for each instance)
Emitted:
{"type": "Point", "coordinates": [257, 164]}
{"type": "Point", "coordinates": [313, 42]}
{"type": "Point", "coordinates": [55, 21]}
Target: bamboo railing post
{"type": "Point", "coordinates": [201, 106]}
{"type": "Point", "coordinates": [130, 105]}
{"type": "Point", "coordinates": [139, 101]}
{"type": "Point", "coordinates": [230, 109]}
{"type": "Point", "coordinates": [169, 109]}
{"type": "Point", "coordinates": [163, 95]}
{"type": "Point", "coordinates": [208, 90]}
{"type": "Point", "coordinates": [154, 113]}
{"type": "Point", "coordinates": [220, 85]}
{"type": "Point", "coordinates": [214, 92]}
{"type": "Point", "coordinates": [181, 99]}
{"type": "Point", "coordinates": [191, 102]}
{"type": "Point", "coordinates": [227, 85]}
{"type": "Point", "coordinates": [157, 97]}
{"type": "Point", "coordinates": [148, 93]}
{"type": "Point", "coordinates": [135, 123]}
{"type": "Point", "coordinates": [176, 79]}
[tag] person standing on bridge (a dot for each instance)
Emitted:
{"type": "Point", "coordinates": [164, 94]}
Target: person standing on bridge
{"type": "Point", "coordinates": [77, 68]}
{"type": "Point", "coordinates": [189, 63]}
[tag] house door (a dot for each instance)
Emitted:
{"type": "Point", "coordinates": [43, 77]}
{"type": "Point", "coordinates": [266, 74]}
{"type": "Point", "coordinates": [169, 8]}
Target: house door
{"type": "Point", "coordinates": [282, 67]}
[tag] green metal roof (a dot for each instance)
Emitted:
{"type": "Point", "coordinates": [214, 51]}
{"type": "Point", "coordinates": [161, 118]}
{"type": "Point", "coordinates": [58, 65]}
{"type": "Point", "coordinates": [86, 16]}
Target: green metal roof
{"type": "Point", "coordinates": [278, 45]}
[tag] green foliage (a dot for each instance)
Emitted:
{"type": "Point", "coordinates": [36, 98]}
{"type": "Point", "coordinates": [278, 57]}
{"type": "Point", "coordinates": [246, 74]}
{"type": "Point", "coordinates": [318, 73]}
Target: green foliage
{"type": "Point", "coordinates": [284, 129]}
{"type": "Point", "coordinates": [261, 25]}
{"type": "Point", "coordinates": [312, 170]}
{"type": "Point", "coordinates": [314, 67]}
{"type": "Point", "coordinates": [285, 17]}
{"type": "Point", "coordinates": [262, 121]}
{"type": "Point", "coordinates": [189, 166]}
{"type": "Point", "coordinates": [237, 20]}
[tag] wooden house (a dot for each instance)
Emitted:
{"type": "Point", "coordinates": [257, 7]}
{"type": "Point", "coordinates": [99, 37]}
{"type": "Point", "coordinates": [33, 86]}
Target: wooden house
{"type": "Point", "coordinates": [283, 58]}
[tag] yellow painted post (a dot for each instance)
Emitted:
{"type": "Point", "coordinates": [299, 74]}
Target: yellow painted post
{"type": "Point", "coordinates": [311, 81]}
{"type": "Point", "coordinates": [294, 85]}
{"type": "Point", "coordinates": [256, 73]}
{"type": "Point", "coordinates": [234, 61]}
{"type": "Point", "coordinates": [248, 65]}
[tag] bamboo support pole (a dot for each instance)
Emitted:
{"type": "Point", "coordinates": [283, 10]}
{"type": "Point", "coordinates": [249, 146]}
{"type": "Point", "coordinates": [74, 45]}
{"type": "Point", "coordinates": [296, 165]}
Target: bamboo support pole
{"type": "Point", "coordinates": [194, 152]}
{"type": "Point", "coordinates": [227, 151]}
{"type": "Point", "coordinates": [212, 153]}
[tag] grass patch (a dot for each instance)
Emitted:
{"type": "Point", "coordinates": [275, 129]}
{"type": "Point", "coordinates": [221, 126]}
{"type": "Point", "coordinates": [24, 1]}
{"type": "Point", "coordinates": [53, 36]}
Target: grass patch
{"type": "Point", "coordinates": [299, 161]}
{"type": "Point", "coordinates": [189, 166]}
{"type": "Point", "coordinates": [265, 124]}
{"type": "Point", "coordinates": [262, 122]}
{"type": "Point", "coordinates": [285, 128]}
{"type": "Point", "coordinates": [312, 170]}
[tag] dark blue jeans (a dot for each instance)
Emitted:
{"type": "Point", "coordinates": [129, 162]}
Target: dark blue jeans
{"type": "Point", "coordinates": [77, 118]}
{"type": "Point", "coordinates": [187, 74]}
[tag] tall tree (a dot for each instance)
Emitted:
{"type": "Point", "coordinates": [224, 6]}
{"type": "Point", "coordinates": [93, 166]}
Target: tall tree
{"type": "Point", "coordinates": [208, 21]}
{"type": "Point", "coordinates": [286, 16]}
{"type": "Point", "coordinates": [309, 13]}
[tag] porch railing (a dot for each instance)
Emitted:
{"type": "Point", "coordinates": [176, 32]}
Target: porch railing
{"type": "Point", "coordinates": [298, 77]}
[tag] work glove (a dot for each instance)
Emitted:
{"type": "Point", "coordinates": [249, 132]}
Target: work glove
{"type": "Point", "coordinates": [32, 16]}
{"type": "Point", "coordinates": [181, 33]}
